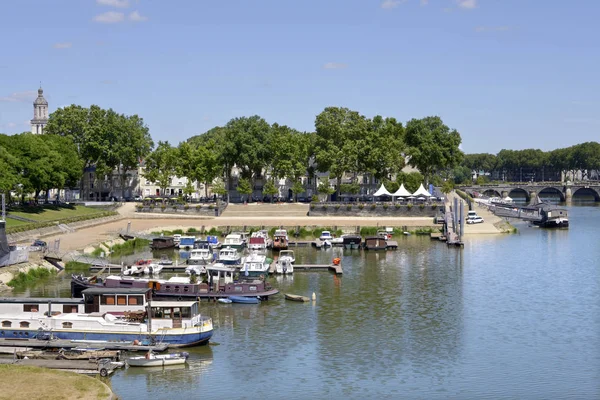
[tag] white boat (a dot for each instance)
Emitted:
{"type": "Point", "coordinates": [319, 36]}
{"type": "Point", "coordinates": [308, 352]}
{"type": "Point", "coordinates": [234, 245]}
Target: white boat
{"type": "Point", "coordinates": [176, 239]}
{"type": "Point", "coordinates": [186, 242]}
{"type": "Point", "coordinates": [234, 240]}
{"type": "Point", "coordinates": [325, 235]}
{"type": "Point", "coordinates": [280, 240]}
{"type": "Point", "coordinates": [256, 265]}
{"type": "Point", "coordinates": [195, 269]}
{"type": "Point", "coordinates": [201, 256]}
{"type": "Point", "coordinates": [152, 269]}
{"type": "Point", "coordinates": [285, 263]}
{"type": "Point", "coordinates": [224, 300]}
{"type": "Point", "coordinates": [134, 270]}
{"type": "Point", "coordinates": [229, 256]}
{"type": "Point", "coordinates": [157, 360]}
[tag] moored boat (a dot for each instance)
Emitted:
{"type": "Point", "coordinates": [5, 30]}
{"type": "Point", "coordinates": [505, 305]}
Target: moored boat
{"type": "Point", "coordinates": [285, 262]}
{"type": "Point", "coordinates": [158, 360]}
{"type": "Point", "coordinates": [244, 299]}
{"type": "Point", "coordinates": [163, 242]}
{"type": "Point", "coordinates": [280, 240]}
{"type": "Point", "coordinates": [201, 256]}
{"type": "Point", "coordinates": [352, 241]}
{"type": "Point", "coordinates": [375, 243]}
{"type": "Point", "coordinates": [234, 241]}
{"type": "Point", "coordinates": [256, 265]}
{"type": "Point", "coordinates": [186, 242]}
{"type": "Point", "coordinates": [296, 297]}
{"type": "Point", "coordinates": [152, 269]}
{"type": "Point", "coordinates": [229, 256]}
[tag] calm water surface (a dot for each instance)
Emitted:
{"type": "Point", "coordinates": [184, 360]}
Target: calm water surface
{"type": "Point", "coordinates": [515, 316]}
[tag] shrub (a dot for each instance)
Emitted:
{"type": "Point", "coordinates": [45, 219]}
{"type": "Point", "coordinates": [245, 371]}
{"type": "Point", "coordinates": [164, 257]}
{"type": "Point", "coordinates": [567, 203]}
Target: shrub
{"type": "Point", "coordinates": [211, 206]}
{"type": "Point", "coordinates": [163, 207]}
{"type": "Point", "coordinates": [174, 206]}
{"type": "Point", "coordinates": [421, 206]}
{"type": "Point", "coordinates": [186, 207]}
{"type": "Point", "coordinates": [139, 206]}
{"type": "Point", "coordinates": [361, 206]}
{"type": "Point", "coordinates": [385, 206]}
{"type": "Point", "coordinates": [151, 207]}
{"type": "Point", "coordinates": [324, 206]}
{"type": "Point", "coordinates": [434, 206]}
{"type": "Point", "coordinates": [198, 207]}
{"type": "Point", "coordinates": [373, 206]}
{"type": "Point", "coordinates": [349, 207]}
{"type": "Point", "coordinates": [314, 198]}
{"type": "Point", "coordinates": [409, 206]}
{"type": "Point", "coordinates": [397, 206]}
{"type": "Point", "coordinates": [337, 206]}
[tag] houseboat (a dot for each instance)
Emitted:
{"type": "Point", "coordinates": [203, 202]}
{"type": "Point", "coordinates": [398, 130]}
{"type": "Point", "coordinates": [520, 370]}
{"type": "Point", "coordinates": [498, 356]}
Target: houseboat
{"type": "Point", "coordinates": [256, 265]}
{"type": "Point", "coordinates": [235, 241]}
{"type": "Point", "coordinates": [229, 256]}
{"type": "Point", "coordinates": [214, 242]}
{"type": "Point", "coordinates": [201, 257]}
{"type": "Point", "coordinates": [258, 245]}
{"type": "Point", "coordinates": [106, 314]}
{"type": "Point", "coordinates": [375, 243]}
{"type": "Point", "coordinates": [552, 217]}
{"type": "Point", "coordinates": [352, 241]}
{"type": "Point", "coordinates": [280, 240]}
{"type": "Point", "coordinates": [187, 242]}
{"type": "Point", "coordinates": [220, 282]}
{"type": "Point", "coordinates": [163, 242]}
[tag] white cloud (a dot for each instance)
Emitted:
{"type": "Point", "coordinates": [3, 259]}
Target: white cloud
{"type": "Point", "coordinates": [110, 17]}
{"type": "Point", "coordinates": [492, 28]}
{"type": "Point", "coordinates": [65, 45]}
{"type": "Point", "coordinates": [333, 65]}
{"type": "Point", "coordinates": [389, 4]}
{"type": "Point", "coordinates": [137, 17]}
{"type": "Point", "coordinates": [424, 2]}
{"type": "Point", "coordinates": [467, 4]}
{"type": "Point", "coordinates": [25, 96]}
{"type": "Point", "coordinates": [114, 3]}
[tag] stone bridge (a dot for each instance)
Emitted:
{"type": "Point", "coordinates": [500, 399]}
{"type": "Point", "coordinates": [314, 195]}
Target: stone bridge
{"type": "Point", "coordinates": [566, 191]}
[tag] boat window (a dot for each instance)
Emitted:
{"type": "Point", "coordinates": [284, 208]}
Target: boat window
{"type": "Point", "coordinates": [166, 313]}
{"type": "Point", "coordinates": [67, 324]}
{"type": "Point", "coordinates": [107, 300]}
{"type": "Point", "coordinates": [31, 307]}
{"type": "Point", "coordinates": [176, 312]}
{"type": "Point", "coordinates": [186, 289]}
{"type": "Point", "coordinates": [24, 324]}
{"type": "Point", "coordinates": [186, 312]}
{"type": "Point", "coordinates": [157, 313]}
{"type": "Point", "coordinates": [252, 288]}
{"type": "Point", "coordinates": [6, 324]}
{"type": "Point", "coordinates": [238, 289]}
{"type": "Point", "coordinates": [121, 300]}
{"type": "Point", "coordinates": [176, 289]}
{"type": "Point", "coordinates": [68, 309]}
{"type": "Point", "coordinates": [135, 300]}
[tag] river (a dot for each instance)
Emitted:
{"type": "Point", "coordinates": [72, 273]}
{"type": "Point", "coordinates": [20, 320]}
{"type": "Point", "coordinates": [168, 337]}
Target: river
{"type": "Point", "coordinates": [511, 316]}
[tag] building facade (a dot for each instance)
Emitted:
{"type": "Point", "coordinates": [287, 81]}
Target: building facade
{"type": "Point", "coordinates": [40, 113]}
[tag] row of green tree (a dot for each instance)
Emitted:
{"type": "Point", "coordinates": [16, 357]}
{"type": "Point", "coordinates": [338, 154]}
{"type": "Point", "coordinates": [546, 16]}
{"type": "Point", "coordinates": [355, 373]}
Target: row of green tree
{"type": "Point", "coordinates": [509, 165]}
{"type": "Point", "coordinates": [345, 143]}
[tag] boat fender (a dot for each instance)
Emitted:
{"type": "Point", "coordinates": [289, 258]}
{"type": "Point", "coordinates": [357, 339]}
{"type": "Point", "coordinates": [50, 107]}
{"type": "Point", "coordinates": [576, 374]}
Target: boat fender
{"type": "Point", "coordinates": [336, 261]}
{"type": "Point", "coordinates": [136, 342]}
{"type": "Point", "coordinates": [103, 372]}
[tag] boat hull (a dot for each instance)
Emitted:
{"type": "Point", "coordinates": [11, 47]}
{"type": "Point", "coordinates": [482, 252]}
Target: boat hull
{"type": "Point", "coordinates": [157, 361]}
{"type": "Point", "coordinates": [295, 297]}
{"type": "Point", "coordinates": [244, 300]}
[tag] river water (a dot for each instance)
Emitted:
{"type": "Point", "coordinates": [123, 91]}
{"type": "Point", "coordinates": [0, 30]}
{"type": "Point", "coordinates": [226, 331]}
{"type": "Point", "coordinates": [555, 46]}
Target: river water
{"type": "Point", "coordinates": [507, 317]}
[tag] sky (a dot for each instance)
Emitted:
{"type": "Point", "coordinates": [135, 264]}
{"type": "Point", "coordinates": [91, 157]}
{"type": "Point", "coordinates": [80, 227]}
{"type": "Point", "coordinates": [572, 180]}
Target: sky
{"type": "Point", "coordinates": [509, 74]}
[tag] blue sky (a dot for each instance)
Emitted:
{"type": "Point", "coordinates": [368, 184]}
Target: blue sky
{"type": "Point", "coordinates": [504, 73]}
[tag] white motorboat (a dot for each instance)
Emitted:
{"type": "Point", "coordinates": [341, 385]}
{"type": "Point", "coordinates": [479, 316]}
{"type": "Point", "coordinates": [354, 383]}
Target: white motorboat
{"type": "Point", "coordinates": [157, 360]}
{"type": "Point", "coordinates": [195, 269]}
{"type": "Point", "coordinates": [256, 265]}
{"type": "Point", "coordinates": [285, 262]}
{"type": "Point", "coordinates": [152, 269]}
{"type": "Point", "coordinates": [134, 270]}
{"type": "Point", "coordinates": [230, 256]}
{"type": "Point", "coordinates": [201, 256]}
{"type": "Point", "coordinates": [235, 241]}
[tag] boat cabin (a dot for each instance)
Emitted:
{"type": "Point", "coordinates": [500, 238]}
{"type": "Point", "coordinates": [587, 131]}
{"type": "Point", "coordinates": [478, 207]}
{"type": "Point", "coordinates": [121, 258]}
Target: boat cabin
{"type": "Point", "coordinates": [280, 239]}
{"type": "Point", "coordinates": [173, 314]}
{"type": "Point", "coordinates": [115, 301]}
{"type": "Point", "coordinates": [163, 242]}
{"type": "Point", "coordinates": [375, 243]}
{"type": "Point", "coordinates": [187, 242]}
{"type": "Point", "coordinates": [234, 240]}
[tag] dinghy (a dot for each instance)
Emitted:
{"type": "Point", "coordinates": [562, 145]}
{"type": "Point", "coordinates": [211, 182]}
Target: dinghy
{"type": "Point", "coordinates": [157, 360]}
{"type": "Point", "coordinates": [296, 297]}
{"type": "Point", "coordinates": [244, 299]}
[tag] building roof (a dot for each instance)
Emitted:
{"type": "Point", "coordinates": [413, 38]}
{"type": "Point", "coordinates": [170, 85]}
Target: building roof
{"type": "Point", "coordinates": [40, 101]}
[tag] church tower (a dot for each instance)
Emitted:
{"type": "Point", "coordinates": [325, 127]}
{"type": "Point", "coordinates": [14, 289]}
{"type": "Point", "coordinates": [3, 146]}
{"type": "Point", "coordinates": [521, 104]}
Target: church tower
{"type": "Point", "coordinates": [40, 113]}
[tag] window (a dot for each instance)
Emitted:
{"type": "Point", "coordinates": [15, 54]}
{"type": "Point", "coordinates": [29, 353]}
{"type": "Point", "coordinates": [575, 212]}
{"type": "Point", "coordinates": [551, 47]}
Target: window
{"type": "Point", "coordinates": [121, 300]}
{"type": "Point", "coordinates": [176, 312]}
{"type": "Point", "coordinates": [69, 309]}
{"type": "Point", "coordinates": [135, 300]}
{"type": "Point", "coordinates": [67, 325]}
{"type": "Point", "coordinates": [166, 313]}
{"type": "Point", "coordinates": [238, 289]}
{"type": "Point", "coordinates": [24, 324]}
{"type": "Point", "coordinates": [252, 288]}
{"type": "Point", "coordinates": [31, 307]}
{"type": "Point", "coordinates": [6, 324]}
{"type": "Point", "coordinates": [186, 312]}
{"type": "Point", "coordinates": [107, 300]}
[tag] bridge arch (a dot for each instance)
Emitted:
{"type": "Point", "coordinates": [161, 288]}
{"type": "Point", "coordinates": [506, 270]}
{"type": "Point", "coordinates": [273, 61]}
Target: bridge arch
{"type": "Point", "coordinates": [492, 193]}
{"type": "Point", "coordinates": [585, 193]}
{"type": "Point", "coordinates": [518, 193]}
{"type": "Point", "coordinates": [551, 193]}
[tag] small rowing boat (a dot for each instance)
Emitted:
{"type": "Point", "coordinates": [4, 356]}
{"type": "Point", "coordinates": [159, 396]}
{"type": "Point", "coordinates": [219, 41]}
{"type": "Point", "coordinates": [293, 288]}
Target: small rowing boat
{"type": "Point", "coordinates": [295, 297]}
{"type": "Point", "coordinates": [244, 299]}
{"type": "Point", "coordinates": [225, 300]}
{"type": "Point", "coordinates": [157, 360]}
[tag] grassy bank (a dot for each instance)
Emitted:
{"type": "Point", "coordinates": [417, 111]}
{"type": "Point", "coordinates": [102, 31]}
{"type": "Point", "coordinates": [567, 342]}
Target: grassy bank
{"type": "Point", "coordinates": [51, 215]}
{"type": "Point", "coordinates": [32, 383]}
{"type": "Point", "coordinates": [31, 276]}
{"type": "Point", "coordinates": [124, 249]}
{"type": "Point", "coordinates": [303, 232]}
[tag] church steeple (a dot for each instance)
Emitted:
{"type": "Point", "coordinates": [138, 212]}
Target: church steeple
{"type": "Point", "coordinates": [40, 113]}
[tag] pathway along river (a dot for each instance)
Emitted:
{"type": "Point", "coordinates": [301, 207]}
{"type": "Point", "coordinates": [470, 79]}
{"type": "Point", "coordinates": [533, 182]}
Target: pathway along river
{"type": "Point", "coordinates": [513, 316]}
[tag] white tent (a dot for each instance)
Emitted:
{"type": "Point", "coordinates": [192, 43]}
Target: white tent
{"type": "Point", "coordinates": [401, 192]}
{"type": "Point", "coordinates": [382, 191]}
{"type": "Point", "coordinates": [421, 192]}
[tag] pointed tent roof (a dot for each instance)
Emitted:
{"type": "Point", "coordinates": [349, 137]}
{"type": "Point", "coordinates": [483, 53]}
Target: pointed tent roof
{"type": "Point", "coordinates": [382, 191]}
{"type": "Point", "coordinates": [401, 192]}
{"type": "Point", "coordinates": [421, 192]}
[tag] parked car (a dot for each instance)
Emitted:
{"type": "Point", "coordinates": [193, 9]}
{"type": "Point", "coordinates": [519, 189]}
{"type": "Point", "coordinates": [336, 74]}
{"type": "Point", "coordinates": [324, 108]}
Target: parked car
{"type": "Point", "coordinates": [39, 243]}
{"type": "Point", "coordinates": [474, 220]}
{"type": "Point", "coordinates": [138, 198]}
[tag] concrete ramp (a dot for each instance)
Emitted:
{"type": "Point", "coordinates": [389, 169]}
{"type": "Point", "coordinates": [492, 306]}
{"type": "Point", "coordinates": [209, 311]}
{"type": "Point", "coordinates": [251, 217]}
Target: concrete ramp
{"type": "Point", "coordinates": [266, 210]}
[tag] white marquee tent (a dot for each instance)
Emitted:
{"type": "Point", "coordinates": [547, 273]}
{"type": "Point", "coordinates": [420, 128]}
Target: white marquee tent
{"type": "Point", "coordinates": [401, 192]}
{"type": "Point", "coordinates": [421, 192]}
{"type": "Point", "coordinates": [382, 191]}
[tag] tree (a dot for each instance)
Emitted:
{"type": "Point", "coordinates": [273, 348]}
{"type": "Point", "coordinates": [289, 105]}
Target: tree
{"type": "Point", "coordinates": [339, 133]}
{"type": "Point", "coordinates": [381, 150]}
{"type": "Point", "coordinates": [448, 186]}
{"type": "Point", "coordinates": [218, 188]}
{"type": "Point", "coordinates": [270, 190]}
{"type": "Point", "coordinates": [9, 166]}
{"type": "Point", "coordinates": [411, 180]}
{"type": "Point", "coordinates": [297, 187]}
{"type": "Point", "coordinates": [244, 187]}
{"type": "Point", "coordinates": [325, 189]}
{"type": "Point", "coordinates": [160, 165]}
{"type": "Point", "coordinates": [432, 146]}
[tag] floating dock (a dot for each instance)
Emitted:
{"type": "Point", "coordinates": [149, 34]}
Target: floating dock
{"type": "Point", "coordinates": [70, 344]}
{"type": "Point", "coordinates": [335, 268]}
{"type": "Point", "coordinates": [88, 367]}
